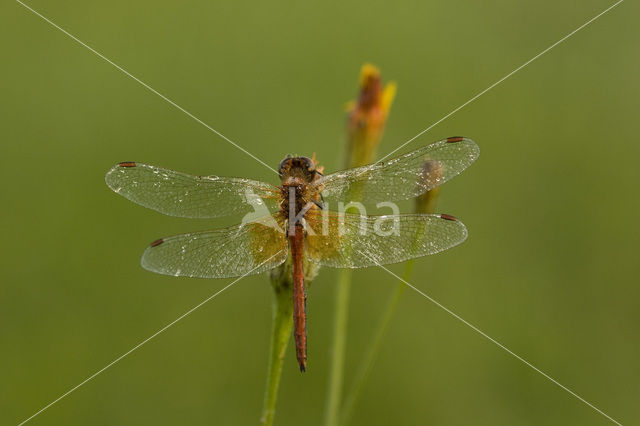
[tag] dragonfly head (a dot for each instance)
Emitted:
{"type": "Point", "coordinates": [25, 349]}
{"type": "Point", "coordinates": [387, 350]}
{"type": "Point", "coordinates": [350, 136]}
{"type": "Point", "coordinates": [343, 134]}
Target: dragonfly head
{"type": "Point", "coordinates": [297, 167]}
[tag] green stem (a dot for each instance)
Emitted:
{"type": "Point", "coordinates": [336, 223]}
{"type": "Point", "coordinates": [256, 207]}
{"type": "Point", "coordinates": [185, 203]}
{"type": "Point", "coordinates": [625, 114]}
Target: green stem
{"type": "Point", "coordinates": [336, 377]}
{"type": "Point", "coordinates": [366, 365]}
{"type": "Point", "coordinates": [281, 333]}
{"type": "Point", "coordinates": [364, 129]}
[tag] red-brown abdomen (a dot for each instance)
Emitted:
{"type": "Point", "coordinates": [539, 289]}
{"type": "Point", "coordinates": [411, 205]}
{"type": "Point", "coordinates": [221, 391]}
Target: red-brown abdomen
{"type": "Point", "coordinates": [296, 239]}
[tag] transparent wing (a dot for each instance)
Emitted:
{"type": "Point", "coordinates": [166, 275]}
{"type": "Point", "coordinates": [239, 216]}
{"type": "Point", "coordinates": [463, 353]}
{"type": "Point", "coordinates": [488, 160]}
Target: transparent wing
{"type": "Point", "coordinates": [354, 241]}
{"type": "Point", "coordinates": [249, 249]}
{"type": "Point", "coordinates": [182, 195]}
{"type": "Point", "coordinates": [403, 177]}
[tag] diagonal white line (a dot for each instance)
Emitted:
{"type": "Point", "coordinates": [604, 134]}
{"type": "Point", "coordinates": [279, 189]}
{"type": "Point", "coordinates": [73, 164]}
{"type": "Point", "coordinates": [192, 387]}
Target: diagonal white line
{"type": "Point", "coordinates": [143, 342]}
{"type": "Point", "coordinates": [500, 345]}
{"type": "Point", "coordinates": [145, 85]}
{"type": "Point", "coordinates": [502, 79]}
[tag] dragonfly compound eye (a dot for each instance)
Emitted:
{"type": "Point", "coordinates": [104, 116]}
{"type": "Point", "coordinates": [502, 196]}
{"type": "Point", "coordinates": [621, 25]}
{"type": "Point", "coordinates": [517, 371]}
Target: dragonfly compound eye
{"type": "Point", "coordinates": [284, 165]}
{"type": "Point", "coordinates": [308, 164]}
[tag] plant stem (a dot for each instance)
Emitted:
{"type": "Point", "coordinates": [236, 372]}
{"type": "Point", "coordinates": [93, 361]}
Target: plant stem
{"type": "Point", "coordinates": [281, 333]}
{"type": "Point", "coordinates": [336, 377]}
{"type": "Point", "coordinates": [365, 123]}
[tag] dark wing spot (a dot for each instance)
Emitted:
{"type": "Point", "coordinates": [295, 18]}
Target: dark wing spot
{"type": "Point", "coordinates": [455, 139]}
{"type": "Point", "coordinates": [128, 164]}
{"type": "Point", "coordinates": [156, 243]}
{"type": "Point", "coordinates": [447, 217]}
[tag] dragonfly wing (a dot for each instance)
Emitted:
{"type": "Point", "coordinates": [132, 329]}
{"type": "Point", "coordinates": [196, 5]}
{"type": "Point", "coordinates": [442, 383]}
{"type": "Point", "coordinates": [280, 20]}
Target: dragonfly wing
{"type": "Point", "coordinates": [403, 177]}
{"type": "Point", "coordinates": [245, 249]}
{"type": "Point", "coordinates": [354, 241]}
{"type": "Point", "coordinates": [182, 195]}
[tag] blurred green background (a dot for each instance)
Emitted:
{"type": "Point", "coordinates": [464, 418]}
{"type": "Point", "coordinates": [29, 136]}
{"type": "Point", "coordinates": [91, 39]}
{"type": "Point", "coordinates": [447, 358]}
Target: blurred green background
{"type": "Point", "coordinates": [550, 268]}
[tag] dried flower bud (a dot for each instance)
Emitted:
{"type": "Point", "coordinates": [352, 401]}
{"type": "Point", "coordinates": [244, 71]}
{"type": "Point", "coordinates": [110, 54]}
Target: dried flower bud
{"type": "Point", "coordinates": [367, 117]}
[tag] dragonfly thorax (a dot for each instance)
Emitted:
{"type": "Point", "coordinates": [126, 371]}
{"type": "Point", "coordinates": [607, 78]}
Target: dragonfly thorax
{"type": "Point", "coordinates": [294, 196]}
{"type": "Point", "coordinates": [297, 175]}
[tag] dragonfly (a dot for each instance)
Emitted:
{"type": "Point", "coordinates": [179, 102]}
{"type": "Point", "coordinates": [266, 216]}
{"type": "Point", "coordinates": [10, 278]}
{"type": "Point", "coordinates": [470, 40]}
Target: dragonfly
{"type": "Point", "coordinates": [294, 220]}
